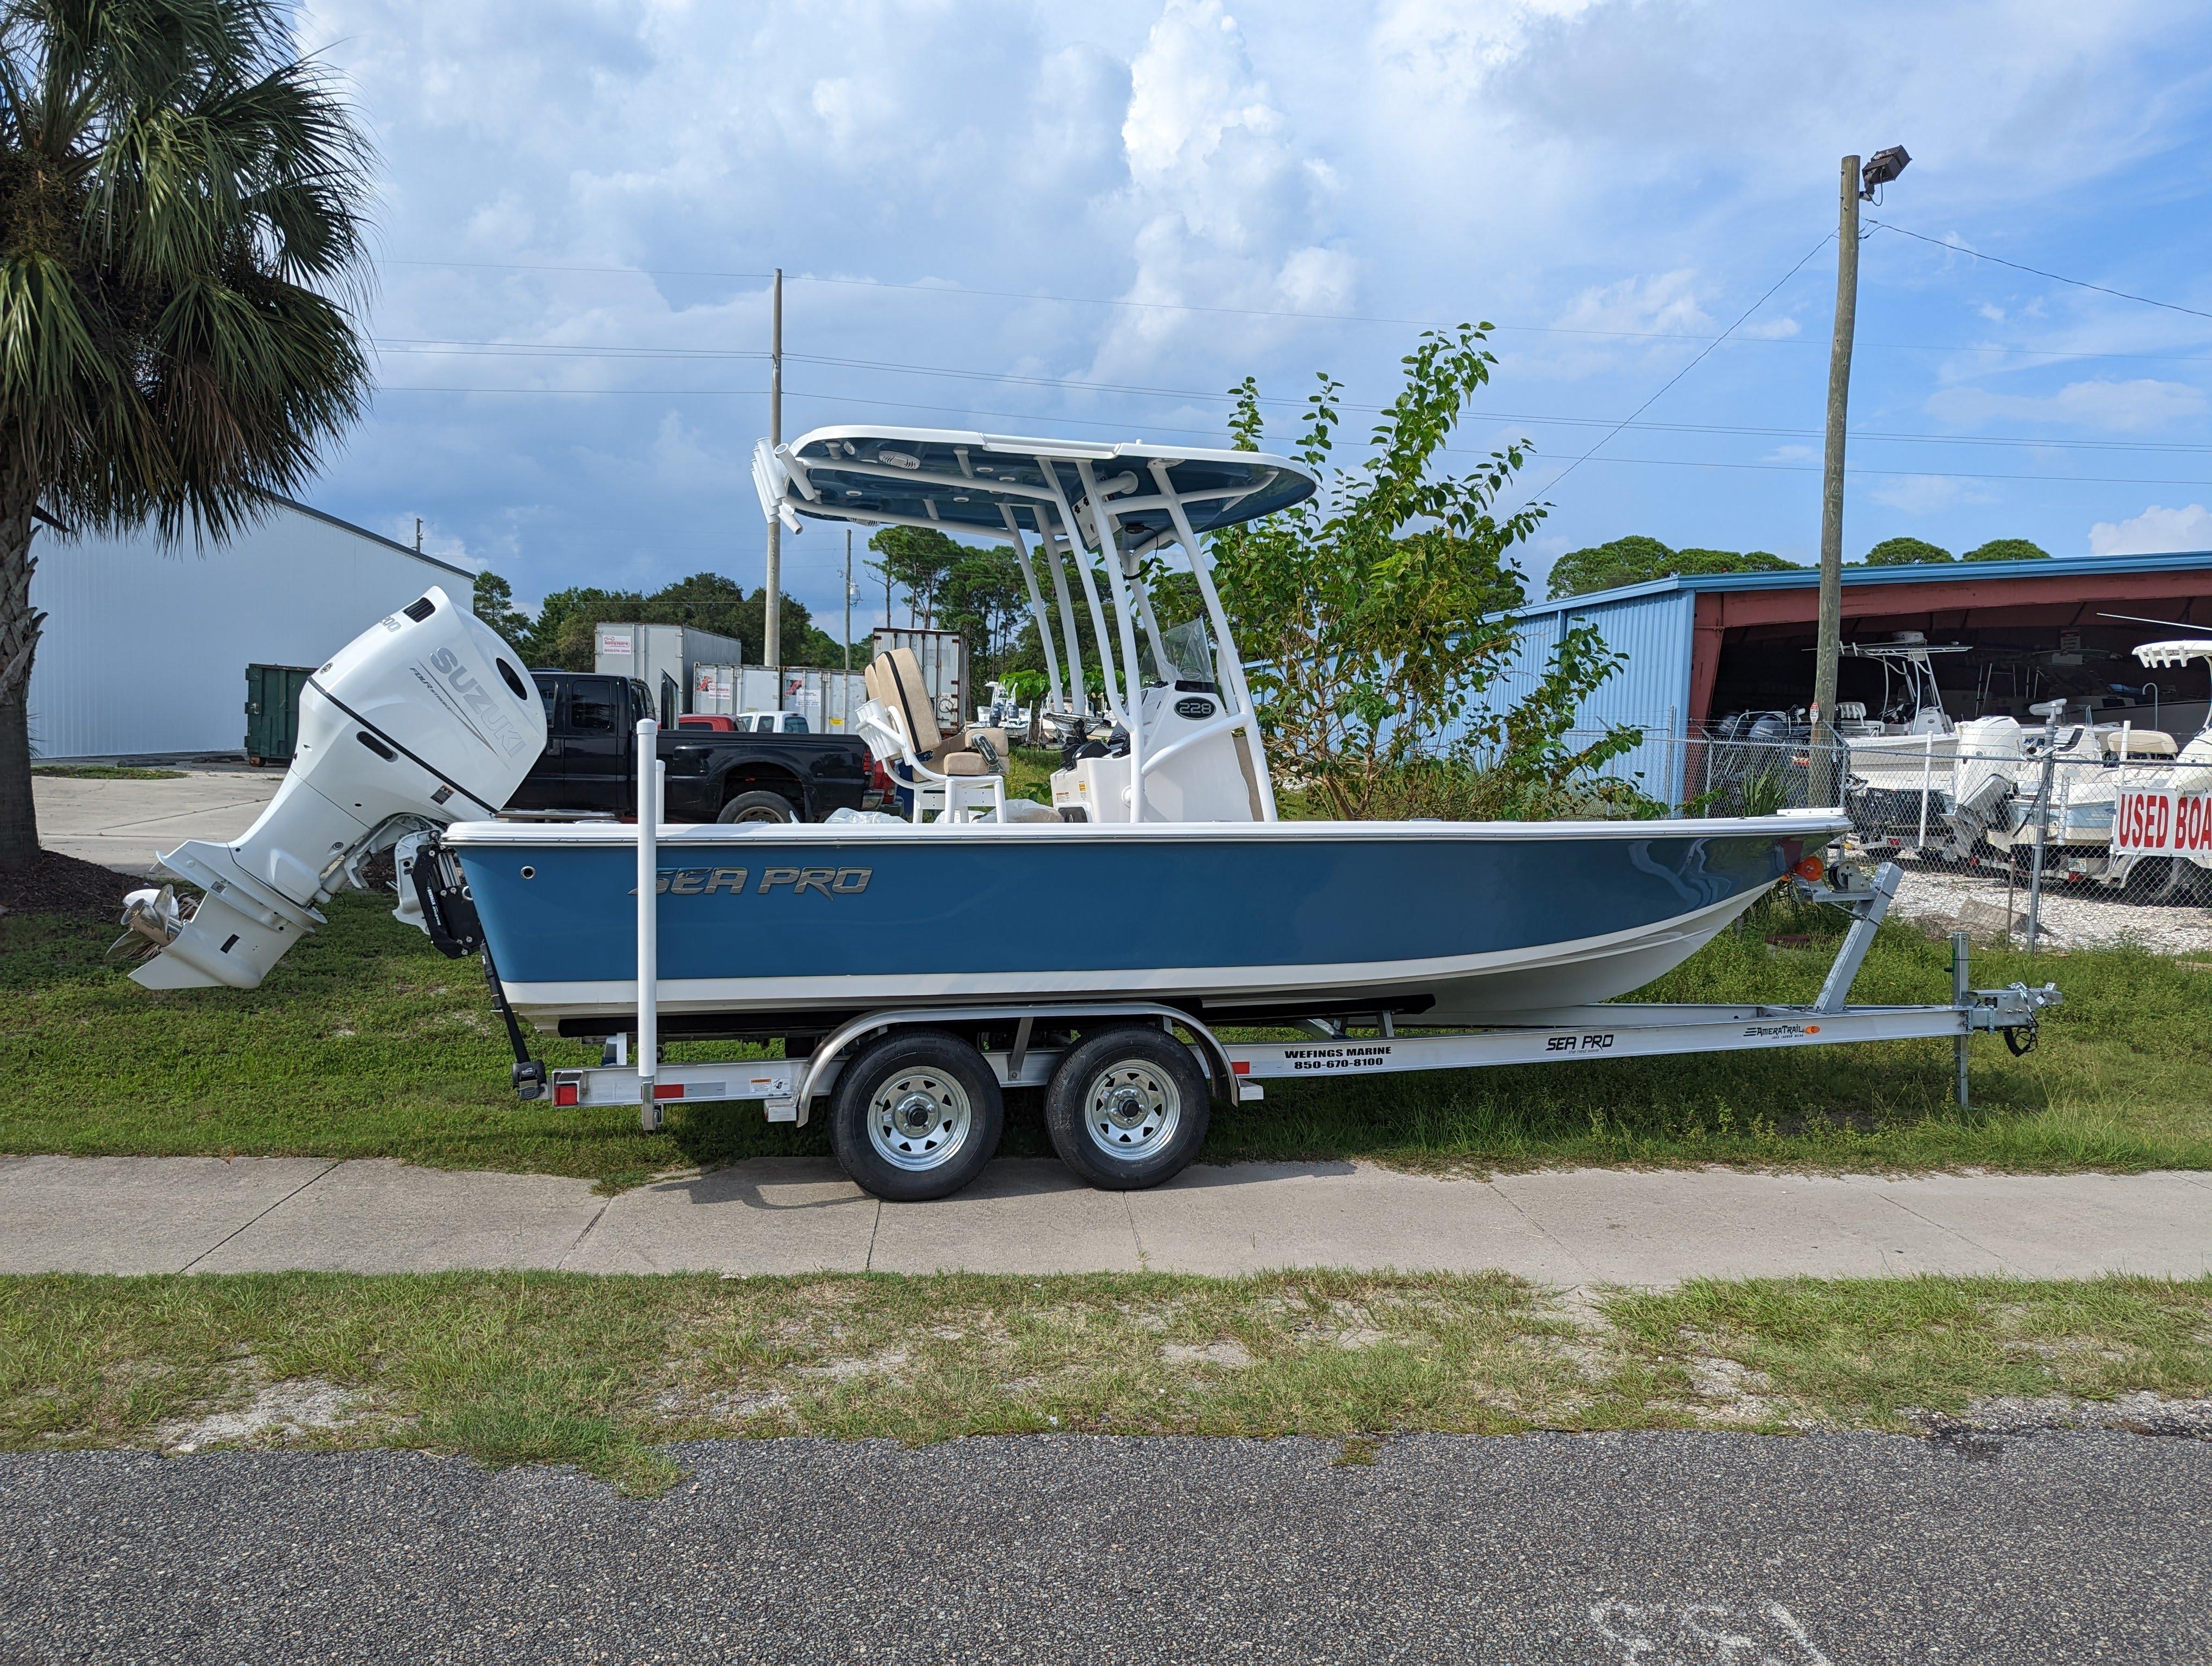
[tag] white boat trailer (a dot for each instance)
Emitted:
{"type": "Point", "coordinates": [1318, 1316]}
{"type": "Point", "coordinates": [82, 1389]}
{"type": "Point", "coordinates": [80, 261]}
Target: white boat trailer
{"type": "Point", "coordinates": [1238, 1070]}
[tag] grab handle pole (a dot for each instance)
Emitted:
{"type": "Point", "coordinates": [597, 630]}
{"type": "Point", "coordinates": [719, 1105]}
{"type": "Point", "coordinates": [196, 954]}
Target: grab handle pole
{"type": "Point", "coordinates": [648, 919]}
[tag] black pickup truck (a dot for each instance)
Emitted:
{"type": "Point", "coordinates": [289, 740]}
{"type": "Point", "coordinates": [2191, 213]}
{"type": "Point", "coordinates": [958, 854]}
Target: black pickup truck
{"type": "Point", "coordinates": [590, 761]}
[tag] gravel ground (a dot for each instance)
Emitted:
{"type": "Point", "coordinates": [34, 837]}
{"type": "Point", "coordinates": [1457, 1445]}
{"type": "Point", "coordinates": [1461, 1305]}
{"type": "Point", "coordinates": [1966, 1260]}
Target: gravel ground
{"type": "Point", "coordinates": [2071, 917]}
{"type": "Point", "coordinates": [1659, 1550]}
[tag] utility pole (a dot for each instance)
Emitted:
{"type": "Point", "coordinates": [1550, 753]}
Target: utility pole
{"type": "Point", "coordinates": [1827, 778]}
{"type": "Point", "coordinates": [1857, 183]}
{"type": "Point", "coordinates": [772, 629]}
{"type": "Point", "coordinates": [418, 535]}
{"type": "Point", "coordinates": [848, 601]}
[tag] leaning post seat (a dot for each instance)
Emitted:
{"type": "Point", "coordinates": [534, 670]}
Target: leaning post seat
{"type": "Point", "coordinates": [927, 763]}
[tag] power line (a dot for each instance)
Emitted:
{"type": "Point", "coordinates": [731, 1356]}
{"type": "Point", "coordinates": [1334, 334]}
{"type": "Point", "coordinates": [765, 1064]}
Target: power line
{"type": "Point", "coordinates": [2033, 442]}
{"type": "Point", "coordinates": [2056, 278]}
{"type": "Point", "coordinates": [958, 289]}
{"type": "Point", "coordinates": [1688, 367]}
{"type": "Point", "coordinates": [1457, 451]}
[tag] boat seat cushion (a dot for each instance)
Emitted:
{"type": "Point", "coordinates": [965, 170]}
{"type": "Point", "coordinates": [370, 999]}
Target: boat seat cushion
{"type": "Point", "coordinates": [962, 764]}
{"type": "Point", "coordinates": [905, 693]}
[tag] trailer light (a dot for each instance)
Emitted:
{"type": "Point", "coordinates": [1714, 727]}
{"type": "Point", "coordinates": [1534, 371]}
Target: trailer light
{"type": "Point", "coordinates": [1811, 870]}
{"type": "Point", "coordinates": [668, 1090]}
{"type": "Point", "coordinates": [1241, 1067]}
{"type": "Point", "coordinates": [565, 1093]}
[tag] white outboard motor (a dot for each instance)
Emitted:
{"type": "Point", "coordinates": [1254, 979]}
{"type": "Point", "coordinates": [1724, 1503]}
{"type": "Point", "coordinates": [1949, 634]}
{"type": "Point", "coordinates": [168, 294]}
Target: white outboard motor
{"type": "Point", "coordinates": [424, 719]}
{"type": "Point", "coordinates": [1982, 781]}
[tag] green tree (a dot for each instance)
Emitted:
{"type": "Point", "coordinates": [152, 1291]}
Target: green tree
{"type": "Point", "coordinates": [561, 636]}
{"type": "Point", "coordinates": [181, 233]}
{"type": "Point", "coordinates": [984, 600]}
{"type": "Point", "coordinates": [918, 560]}
{"type": "Point", "coordinates": [1905, 552]}
{"type": "Point", "coordinates": [1637, 559]}
{"type": "Point", "coordinates": [495, 605]}
{"type": "Point", "coordinates": [2007, 549]}
{"type": "Point", "coordinates": [1375, 615]}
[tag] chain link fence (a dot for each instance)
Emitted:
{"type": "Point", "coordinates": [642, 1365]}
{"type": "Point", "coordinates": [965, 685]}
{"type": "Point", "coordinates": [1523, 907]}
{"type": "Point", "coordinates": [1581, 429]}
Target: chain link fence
{"type": "Point", "coordinates": [2083, 836]}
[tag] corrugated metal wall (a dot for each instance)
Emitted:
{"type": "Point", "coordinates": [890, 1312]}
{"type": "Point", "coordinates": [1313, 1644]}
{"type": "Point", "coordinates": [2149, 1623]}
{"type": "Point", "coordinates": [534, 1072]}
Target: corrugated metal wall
{"type": "Point", "coordinates": [1650, 691]}
{"type": "Point", "coordinates": [146, 645]}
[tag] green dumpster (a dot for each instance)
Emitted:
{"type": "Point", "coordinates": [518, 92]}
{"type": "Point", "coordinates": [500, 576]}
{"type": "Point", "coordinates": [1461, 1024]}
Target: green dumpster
{"type": "Point", "coordinates": [272, 711]}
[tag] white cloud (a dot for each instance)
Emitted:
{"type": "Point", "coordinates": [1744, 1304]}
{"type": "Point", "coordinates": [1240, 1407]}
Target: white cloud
{"type": "Point", "coordinates": [2118, 407]}
{"type": "Point", "coordinates": [1224, 202]}
{"type": "Point", "coordinates": [2155, 530]}
{"type": "Point", "coordinates": [1631, 165]}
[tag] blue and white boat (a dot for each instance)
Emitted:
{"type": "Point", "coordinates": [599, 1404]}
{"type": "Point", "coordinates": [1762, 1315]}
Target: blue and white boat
{"type": "Point", "coordinates": [1164, 872]}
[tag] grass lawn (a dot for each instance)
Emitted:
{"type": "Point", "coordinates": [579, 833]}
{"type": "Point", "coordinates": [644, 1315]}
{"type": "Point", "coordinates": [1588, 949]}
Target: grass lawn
{"type": "Point", "coordinates": [365, 1042]}
{"type": "Point", "coordinates": [599, 1372]}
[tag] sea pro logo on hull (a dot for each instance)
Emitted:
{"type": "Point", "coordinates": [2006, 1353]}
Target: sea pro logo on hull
{"type": "Point", "coordinates": [737, 881]}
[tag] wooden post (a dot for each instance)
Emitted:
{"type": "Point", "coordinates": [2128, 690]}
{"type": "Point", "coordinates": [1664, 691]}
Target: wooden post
{"type": "Point", "coordinates": [1827, 773]}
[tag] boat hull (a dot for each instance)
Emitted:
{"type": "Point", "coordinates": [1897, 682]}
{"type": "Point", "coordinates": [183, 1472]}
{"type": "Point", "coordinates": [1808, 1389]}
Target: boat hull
{"type": "Point", "coordinates": [1456, 922]}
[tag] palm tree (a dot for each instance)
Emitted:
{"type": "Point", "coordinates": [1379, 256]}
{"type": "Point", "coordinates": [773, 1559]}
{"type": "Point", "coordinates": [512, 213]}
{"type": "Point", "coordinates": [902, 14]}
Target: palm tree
{"type": "Point", "coordinates": [182, 204]}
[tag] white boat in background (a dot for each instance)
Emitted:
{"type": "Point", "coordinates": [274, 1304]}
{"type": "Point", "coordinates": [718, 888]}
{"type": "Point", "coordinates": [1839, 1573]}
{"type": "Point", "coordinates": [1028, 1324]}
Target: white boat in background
{"type": "Point", "coordinates": [1914, 743]}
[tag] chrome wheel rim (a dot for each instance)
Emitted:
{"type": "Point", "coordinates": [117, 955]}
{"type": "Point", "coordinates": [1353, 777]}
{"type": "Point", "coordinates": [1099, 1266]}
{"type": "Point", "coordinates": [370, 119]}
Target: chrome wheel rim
{"type": "Point", "coordinates": [1132, 1110]}
{"type": "Point", "coordinates": [919, 1119]}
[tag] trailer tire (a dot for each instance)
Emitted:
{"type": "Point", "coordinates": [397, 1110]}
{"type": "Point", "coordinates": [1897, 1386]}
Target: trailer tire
{"type": "Point", "coordinates": [917, 1114]}
{"type": "Point", "coordinates": [760, 806]}
{"type": "Point", "coordinates": [1127, 1108]}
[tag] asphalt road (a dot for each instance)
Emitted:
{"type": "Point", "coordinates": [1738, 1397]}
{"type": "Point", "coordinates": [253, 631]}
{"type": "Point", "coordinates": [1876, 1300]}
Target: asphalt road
{"type": "Point", "coordinates": [1722, 1550]}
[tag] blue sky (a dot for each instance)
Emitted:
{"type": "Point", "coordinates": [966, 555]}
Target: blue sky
{"type": "Point", "coordinates": [577, 199]}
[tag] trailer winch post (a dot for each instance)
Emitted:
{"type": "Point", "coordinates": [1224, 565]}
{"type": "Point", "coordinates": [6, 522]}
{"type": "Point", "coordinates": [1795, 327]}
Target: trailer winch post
{"type": "Point", "coordinates": [1867, 908]}
{"type": "Point", "coordinates": [1962, 998]}
{"type": "Point", "coordinates": [649, 769]}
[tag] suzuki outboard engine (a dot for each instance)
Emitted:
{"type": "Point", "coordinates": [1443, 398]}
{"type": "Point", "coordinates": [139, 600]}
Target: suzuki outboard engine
{"type": "Point", "coordinates": [423, 720]}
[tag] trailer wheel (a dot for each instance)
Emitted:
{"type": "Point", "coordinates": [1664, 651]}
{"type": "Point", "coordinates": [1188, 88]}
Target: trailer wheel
{"type": "Point", "coordinates": [759, 806]}
{"type": "Point", "coordinates": [1127, 1109]}
{"type": "Point", "coordinates": [2178, 884]}
{"type": "Point", "coordinates": [917, 1114]}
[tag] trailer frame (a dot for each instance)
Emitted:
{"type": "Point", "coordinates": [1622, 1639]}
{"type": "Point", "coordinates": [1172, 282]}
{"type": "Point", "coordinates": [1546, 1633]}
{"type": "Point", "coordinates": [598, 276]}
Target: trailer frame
{"type": "Point", "coordinates": [1023, 1042]}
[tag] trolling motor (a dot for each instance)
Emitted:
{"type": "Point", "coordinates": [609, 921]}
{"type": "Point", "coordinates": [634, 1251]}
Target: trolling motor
{"type": "Point", "coordinates": [421, 720]}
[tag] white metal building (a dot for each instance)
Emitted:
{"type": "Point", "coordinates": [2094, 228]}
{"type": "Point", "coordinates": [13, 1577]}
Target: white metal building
{"type": "Point", "coordinates": [146, 644]}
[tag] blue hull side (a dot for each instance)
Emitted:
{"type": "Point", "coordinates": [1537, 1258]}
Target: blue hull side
{"type": "Point", "coordinates": [1079, 913]}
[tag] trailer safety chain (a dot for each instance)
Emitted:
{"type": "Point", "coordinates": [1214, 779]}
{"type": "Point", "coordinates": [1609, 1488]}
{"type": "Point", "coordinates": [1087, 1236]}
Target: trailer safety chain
{"type": "Point", "coordinates": [2021, 1039]}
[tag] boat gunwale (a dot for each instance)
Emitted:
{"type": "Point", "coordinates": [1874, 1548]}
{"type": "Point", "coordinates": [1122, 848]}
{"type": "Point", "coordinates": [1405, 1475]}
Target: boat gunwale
{"type": "Point", "coordinates": [623, 835]}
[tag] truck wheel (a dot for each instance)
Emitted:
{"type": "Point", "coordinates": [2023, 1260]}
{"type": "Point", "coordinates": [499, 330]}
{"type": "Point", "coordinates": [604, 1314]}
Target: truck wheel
{"type": "Point", "coordinates": [758, 806]}
{"type": "Point", "coordinates": [1127, 1109]}
{"type": "Point", "coordinates": [916, 1116]}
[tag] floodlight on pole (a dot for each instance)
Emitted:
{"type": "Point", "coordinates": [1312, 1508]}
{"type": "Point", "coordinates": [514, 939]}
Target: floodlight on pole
{"type": "Point", "coordinates": [1880, 168]}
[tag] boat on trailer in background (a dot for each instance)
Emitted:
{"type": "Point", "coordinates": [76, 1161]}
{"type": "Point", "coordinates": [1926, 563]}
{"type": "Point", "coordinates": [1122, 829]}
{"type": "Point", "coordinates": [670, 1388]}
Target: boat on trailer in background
{"type": "Point", "coordinates": [916, 968]}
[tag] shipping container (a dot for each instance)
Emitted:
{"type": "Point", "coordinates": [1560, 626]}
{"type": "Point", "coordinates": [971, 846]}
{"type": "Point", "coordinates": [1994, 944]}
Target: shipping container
{"type": "Point", "coordinates": [666, 657]}
{"type": "Point", "coordinates": [944, 657]}
{"type": "Point", "coordinates": [828, 699]}
{"type": "Point", "coordinates": [272, 711]}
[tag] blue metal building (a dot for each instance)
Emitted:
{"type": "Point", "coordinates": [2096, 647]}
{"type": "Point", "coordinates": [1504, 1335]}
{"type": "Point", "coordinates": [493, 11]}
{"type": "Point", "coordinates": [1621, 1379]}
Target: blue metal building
{"type": "Point", "coordinates": [1698, 647]}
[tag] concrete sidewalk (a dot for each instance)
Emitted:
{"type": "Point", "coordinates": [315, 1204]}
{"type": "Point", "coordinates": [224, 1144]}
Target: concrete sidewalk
{"type": "Point", "coordinates": [122, 823]}
{"type": "Point", "coordinates": [1562, 1227]}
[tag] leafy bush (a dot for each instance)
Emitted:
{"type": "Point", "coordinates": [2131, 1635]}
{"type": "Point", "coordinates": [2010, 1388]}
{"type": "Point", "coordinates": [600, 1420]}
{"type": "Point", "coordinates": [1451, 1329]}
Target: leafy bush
{"type": "Point", "coordinates": [1376, 615]}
